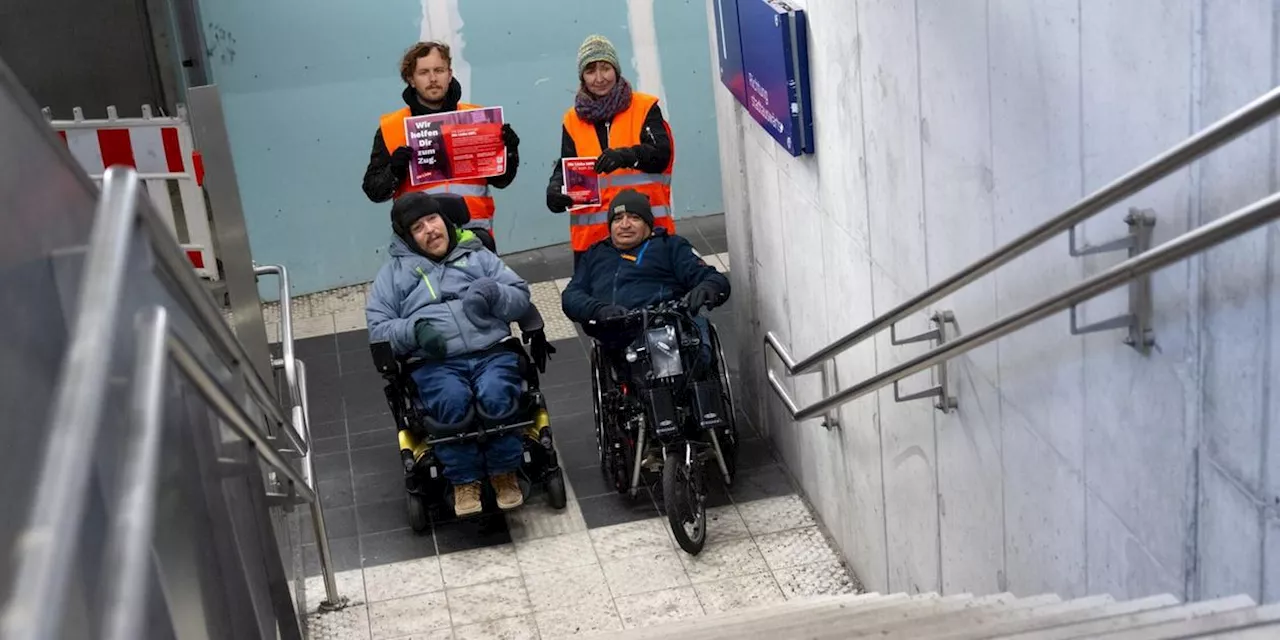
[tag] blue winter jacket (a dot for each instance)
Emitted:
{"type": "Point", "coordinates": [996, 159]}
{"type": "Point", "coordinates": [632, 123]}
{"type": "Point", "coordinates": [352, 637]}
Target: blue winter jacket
{"type": "Point", "coordinates": [664, 267]}
{"type": "Point", "coordinates": [410, 287]}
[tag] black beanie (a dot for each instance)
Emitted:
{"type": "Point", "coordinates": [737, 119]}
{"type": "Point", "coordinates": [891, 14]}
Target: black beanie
{"type": "Point", "coordinates": [633, 202]}
{"type": "Point", "coordinates": [411, 207]}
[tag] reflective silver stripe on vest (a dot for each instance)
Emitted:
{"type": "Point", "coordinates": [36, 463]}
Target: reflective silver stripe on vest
{"type": "Point", "coordinates": [602, 217]}
{"type": "Point", "coordinates": [460, 189]}
{"type": "Point", "coordinates": [633, 179]}
{"type": "Point", "coordinates": [479, 223]}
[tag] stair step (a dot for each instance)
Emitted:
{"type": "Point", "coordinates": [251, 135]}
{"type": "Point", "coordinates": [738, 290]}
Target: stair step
{"type": "Point", "coordinates": [981, 621]}
{"type": "Point", "coordinates": [951, 617]}
{"type": "Point", "coordinates": [997, 628]}
{"type": "Point", "coordinates": [1216, 622]}
{"type": "Point", "coordinates": [846, 624]}
{"type": "Point", "coordinates": [1093, 628]}
{"type": "Point", "coordinates": [1267, 631]}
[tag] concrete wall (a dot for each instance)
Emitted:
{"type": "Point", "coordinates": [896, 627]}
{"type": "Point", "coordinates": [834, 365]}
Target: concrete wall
{"type": "Point", "coordinates": [1074, 465]}
{"type": "Point", "coordinates": [304, 83]}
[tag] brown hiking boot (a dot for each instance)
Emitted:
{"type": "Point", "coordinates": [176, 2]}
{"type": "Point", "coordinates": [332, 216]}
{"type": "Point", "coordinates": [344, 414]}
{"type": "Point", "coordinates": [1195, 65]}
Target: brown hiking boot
{"type": "Point", "coordinates": [466, 499]}
{"type": "Point", "coordinates": [508, 488]}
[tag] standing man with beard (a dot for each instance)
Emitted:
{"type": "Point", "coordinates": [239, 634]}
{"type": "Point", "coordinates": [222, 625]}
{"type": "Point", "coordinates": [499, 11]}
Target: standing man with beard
{"type": "Point", "coordinates": [427, 70]}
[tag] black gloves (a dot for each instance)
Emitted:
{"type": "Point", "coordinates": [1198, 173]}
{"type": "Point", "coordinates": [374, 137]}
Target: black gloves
{"type": "Point", "coordinates": [703, 295]}
{"type": "Point", "coordinates": [557, 202]}
{"type": "Point", "coordinates": [429, 340]}
{"type": "Point", "coordinates": [400, 162]}
{"type": "Point", "coordinates": [540, 349]}
{"type": "Point", "coordinates": [608, 312]}
{"type": "Point", "coordinates": [614, 159]}
{"type": "Point", "coordinates": [510, 138]}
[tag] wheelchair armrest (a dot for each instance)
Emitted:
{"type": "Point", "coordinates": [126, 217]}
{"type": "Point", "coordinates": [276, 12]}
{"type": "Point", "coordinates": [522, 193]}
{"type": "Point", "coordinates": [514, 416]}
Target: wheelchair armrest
{"type": "Point", "coordinates": [384, 357]}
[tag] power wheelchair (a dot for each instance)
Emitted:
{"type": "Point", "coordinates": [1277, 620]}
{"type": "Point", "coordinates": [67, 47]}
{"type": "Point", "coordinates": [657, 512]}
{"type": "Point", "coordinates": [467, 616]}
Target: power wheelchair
{"type": "Point", "coordinates": [428, 494]}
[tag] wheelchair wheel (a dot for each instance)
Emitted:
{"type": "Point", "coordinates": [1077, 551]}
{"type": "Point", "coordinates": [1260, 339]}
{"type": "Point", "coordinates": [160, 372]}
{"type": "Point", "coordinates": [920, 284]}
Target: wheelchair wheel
{"type": "Point", "coordinates": [597, 400]}
{"type": "Point", "coordinates": [684, 497]}
{"type": "Point", "coordinates": [557, 496]}
{"type": "Point", "coordinates": [419, 515]}
{"type": "Point", "coordinates": [728, 445]}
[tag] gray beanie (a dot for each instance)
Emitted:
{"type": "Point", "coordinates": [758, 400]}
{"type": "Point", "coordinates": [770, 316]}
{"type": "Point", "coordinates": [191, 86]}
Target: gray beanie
{"type": "Point", "coordinates": [597, 49]}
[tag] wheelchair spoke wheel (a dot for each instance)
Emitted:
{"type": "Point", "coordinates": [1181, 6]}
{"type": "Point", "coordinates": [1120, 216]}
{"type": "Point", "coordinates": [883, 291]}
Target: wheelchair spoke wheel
{"type": "Point", "coordinates": [685, 501]}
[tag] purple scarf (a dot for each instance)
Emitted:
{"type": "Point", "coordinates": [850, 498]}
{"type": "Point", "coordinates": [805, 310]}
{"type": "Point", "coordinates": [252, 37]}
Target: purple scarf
{"type": "Point", "coordinates": [604, 108]}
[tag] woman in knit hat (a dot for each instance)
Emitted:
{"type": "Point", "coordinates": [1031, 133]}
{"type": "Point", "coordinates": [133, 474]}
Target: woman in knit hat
{"type": "Point", "coordinates": [626, 133]}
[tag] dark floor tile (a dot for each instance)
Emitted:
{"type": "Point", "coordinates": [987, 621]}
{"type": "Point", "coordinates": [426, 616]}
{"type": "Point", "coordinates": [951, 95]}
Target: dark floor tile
{"type": "Point", "coordinates": [328, 430]}
{"type": "Point", "coordinates": [381, 422]}
{"type": "Point", "coordinates": [308, 347]}
{"type": "Point", "coordinates": [351, 340]}
{"type": "Point", "coordinates": [533, 268]}
{"type": "Point", "coordinates": [562, 372]}
{"type": "Point", "coordinates": [769, 481]}
{"type": "Point", "coordinates": [357, 361]}
{"type": "Point", "coordinates": [345, 553]}
{"type": "Point", "coordinates": [716, 244]}
{"type": "Point", "coordinates": [588, 482]}
{"type": "Point", "coordinates": [577, 452]}
{"type": "Point", "coordinates": [332, 466]}
{"type": "Point", "coordinates": [379, 438]}
{"type": "Point", "coordinates": [396, 546]}
{"type": "Point", "coordinates": [339, 522]}
{"type": "Point", "coordinates": [376, 459]}
{"type": "Point", "coordinates": [382, 516]}
{"type": "Point", "coordinates": [326, 446]}
{"type": "Point", "coordinates": [700, 244]}
{"type": "Point", "coordinates": [708, 225]}
{"type": "Point", "coordinates": [324, 403]}
{"type": "Point", "coordinates": [322, 369]}
{"type": "Point", "coordinates": [363, 393]}
{"type": "Point", "coordinates": [565, 407]}
{"type": "Point", "coordinates": [336, 493]}
{"type": "Point", "coordinates": [611, 509]}
{"type": "Point", "coordinates": [472, 533]}
{"type": "Point", "coordinates": [568, 393]}
{"type": "Point", "coordinates": [379, 487]}
{"type": "Point", "coordinates": [754, 452]}
{"type": "Point", "coordinates": [573, 426]}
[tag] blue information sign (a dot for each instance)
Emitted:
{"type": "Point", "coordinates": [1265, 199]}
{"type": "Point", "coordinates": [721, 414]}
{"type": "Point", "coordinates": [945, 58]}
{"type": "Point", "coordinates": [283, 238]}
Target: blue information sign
{"type": "Point", "coordinates": [729, 50]}
{"type": "Point", "coordinates": [772, 41]}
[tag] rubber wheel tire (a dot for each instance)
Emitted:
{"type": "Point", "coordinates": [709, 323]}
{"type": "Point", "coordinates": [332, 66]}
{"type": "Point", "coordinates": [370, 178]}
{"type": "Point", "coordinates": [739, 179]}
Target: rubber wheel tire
{"type": "Point", "coordinates": [556, 493]}
{"type": "Point", "coordinates": [419, 518]}
{"type": "Point", "coordinates": [676, 506]}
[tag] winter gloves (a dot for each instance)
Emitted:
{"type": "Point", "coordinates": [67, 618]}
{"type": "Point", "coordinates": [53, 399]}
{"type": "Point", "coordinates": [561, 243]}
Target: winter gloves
{"type": "Point", "coordinates": [613, 159]}
{"type": "Point", "coordinates": [557, 202]}
{"type": "Point", "coordinates": [540, 349]}
{"type": "Point", "coordinates": [429, 340]}
{"type": "Point", "coordinates": [510, 138]}
{"type": "Point", "coordinates": [703, 295]}
{"type": "Point", "coordinates": [608, 312]}
{"type": "Point", "coordinates": [400, 162]}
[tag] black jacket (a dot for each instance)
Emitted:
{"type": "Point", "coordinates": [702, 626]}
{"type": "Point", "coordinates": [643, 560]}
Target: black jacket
{"type": "Point", "coordinates": [663, 268]}
{"type": "Point", "coordinates": [380, 183]}
{"type": "Point", "coordinates": [654, 152]}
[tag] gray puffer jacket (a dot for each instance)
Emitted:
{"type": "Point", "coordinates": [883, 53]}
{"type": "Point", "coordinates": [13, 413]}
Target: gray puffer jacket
{"type": "Point", "coordinates": [410, 287]}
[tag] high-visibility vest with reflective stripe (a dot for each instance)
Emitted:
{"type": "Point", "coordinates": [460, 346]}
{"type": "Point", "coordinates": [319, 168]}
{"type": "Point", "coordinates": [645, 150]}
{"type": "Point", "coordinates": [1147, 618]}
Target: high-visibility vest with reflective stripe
{"type": "Point", "coordinates": [474, 192]}
{"type": "Point", "coordinates": [589, 225]}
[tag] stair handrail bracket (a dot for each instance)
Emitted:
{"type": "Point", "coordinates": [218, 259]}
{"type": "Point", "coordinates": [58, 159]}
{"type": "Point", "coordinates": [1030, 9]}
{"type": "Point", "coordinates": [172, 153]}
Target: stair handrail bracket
{"type": "Point", "coordinates": [1228, 128]}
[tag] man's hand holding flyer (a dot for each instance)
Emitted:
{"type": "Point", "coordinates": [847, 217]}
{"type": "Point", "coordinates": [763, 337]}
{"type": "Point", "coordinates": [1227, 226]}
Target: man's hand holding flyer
{"type": "Point", "coordinates": [458, 145]}
{"type": "Point", "coordinates": [581, 181]}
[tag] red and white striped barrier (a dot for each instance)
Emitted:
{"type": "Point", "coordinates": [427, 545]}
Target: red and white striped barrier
{"type": "Point", "coordinates": [161, 150]}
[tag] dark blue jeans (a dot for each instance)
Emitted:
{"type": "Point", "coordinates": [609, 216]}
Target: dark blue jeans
{"type": "Point", "coordinates": [450, 387]}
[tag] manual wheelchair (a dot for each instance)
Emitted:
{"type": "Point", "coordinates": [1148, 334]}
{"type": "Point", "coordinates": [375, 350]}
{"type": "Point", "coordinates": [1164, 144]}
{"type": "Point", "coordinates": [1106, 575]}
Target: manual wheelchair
{"type": "Point", "coordinates": [428, 494]}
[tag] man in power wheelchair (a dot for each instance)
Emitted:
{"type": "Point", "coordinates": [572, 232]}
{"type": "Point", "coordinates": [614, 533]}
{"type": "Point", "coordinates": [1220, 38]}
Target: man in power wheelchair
{"type": "Point", "coordinates": [636, 267]}
{"type": "Point", "coordinates": [462, 389]}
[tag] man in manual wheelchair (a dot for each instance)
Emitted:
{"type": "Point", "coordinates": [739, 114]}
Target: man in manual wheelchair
{"type": "Point", "coordinates": [662, 396]}
{"type": "Point", "coordinates": [462, 390]}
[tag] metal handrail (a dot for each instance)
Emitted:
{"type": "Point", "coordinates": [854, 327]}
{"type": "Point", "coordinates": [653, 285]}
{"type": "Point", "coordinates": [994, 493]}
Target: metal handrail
{"type": "Point", "coordinates": [1215, 135]}
{"type": "Point", "coordinates": [1199, 239]}
{"type": "Point", "coordinates": [287, 359]}
{"type": "Point", "coordinates": [45, 549]}
{"type": "Point", "coordinates": [210, 321]}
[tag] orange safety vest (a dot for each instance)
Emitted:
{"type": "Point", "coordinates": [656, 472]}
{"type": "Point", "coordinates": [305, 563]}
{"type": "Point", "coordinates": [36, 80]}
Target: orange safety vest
{"type": "Point", "coordinates": [589, 225]}
{"type": "Point", "coordinates": [474, 192]}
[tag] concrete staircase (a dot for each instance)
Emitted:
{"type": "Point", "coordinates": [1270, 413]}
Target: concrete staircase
{"type": "Point", "coordinates": [933, 617]}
